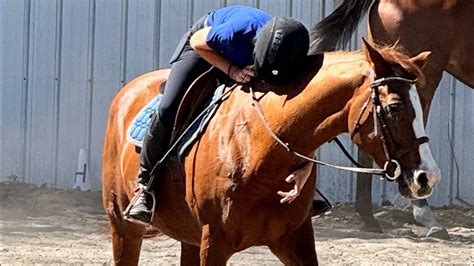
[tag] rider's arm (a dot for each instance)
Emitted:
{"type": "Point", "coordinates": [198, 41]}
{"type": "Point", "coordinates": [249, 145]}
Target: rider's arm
{"type": "Point", "coordinates": [198, 43]}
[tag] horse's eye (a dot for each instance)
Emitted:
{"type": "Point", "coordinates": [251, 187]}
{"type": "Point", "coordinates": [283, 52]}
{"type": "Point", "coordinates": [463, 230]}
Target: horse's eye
{"type": "Point", "coordinates": [394, 107]}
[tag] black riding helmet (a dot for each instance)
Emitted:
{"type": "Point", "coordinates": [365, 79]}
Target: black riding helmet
{"type": "Point", "coordinates": [280, 50]}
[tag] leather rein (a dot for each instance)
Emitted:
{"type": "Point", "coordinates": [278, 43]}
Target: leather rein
{"type": "Point", "coordinates": [392, 169]}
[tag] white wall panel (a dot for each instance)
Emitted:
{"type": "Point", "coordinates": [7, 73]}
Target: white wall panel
{"type": "Point", "coordinates": [175, 21]}
{"type": "Point", "coordinates": [241, 2]}
{"type": "Point", "coordinates": [200, 8]}
{"type": "Point", "coordinates": [280, 8]}
{"type": "Point", "coordinates": [307, 12]}
{"type": "Point", "coordinates": [2, 82]}
{"type": "Point", "coordinates": [462, 162]}
{"type": "Point", "coordinates": [140, 38]}
{"type": "Point", "coordinates": [14, 16]}
{"type": "Point", "coordinates": [41, 93]}
{"type": "Point", "coordinates": [72, 91]}
{"type": "Point", "coordinates": [337, 185]}
{"type": "Point", "coordinates": [108, 73]}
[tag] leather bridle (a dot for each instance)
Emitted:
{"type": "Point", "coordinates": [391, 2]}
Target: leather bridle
{"type": "Point", "coordinates": [392, 169]}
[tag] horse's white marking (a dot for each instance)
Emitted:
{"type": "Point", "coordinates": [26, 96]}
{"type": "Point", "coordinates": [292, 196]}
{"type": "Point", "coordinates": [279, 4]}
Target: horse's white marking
{"type": "Point", "coordinates": [418, 121]}
{"type": "Point", "coordinates": [428, 164]}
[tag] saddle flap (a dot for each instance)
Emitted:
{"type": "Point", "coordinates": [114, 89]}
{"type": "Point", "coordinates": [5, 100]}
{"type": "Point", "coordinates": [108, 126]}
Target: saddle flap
{"type": "Point", "coordinates": [194, 100]}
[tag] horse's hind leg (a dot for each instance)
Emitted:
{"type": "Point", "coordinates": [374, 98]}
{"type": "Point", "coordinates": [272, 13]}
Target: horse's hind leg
{"type": "Point", "coordinates": [189, 254]}
{"type": "Point", "coordinates": [297, 248]}
{"type": "Point", "coordinates": [126, 237]}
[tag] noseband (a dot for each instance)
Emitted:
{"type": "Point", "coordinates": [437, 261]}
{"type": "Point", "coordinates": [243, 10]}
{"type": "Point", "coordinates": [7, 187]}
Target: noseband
{"type": "Point", "coordinates": [391, 167]}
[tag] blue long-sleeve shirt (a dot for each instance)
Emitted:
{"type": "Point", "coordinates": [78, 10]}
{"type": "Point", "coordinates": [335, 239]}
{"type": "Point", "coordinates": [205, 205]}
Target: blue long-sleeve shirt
{"type": "Point", "coordinates": [233, 31]}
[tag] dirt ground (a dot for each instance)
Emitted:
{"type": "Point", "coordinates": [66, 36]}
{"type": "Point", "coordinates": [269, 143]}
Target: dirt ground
{"type": "Point", "coordinates": [49, 226]}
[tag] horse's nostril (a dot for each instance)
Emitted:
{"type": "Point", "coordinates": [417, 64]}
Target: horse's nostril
{"type": "Point", "coordinates": [422, 179]}
{"type": "Point", "coordinates": [425, 191]}
{"type": "Point", "coordinates": [423, 187]}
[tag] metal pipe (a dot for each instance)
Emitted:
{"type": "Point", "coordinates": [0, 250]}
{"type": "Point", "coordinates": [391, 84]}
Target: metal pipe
{"type": "Point", "coordinates": [123, 48]}
{"type": "Point", "coordinates": [289, 8]}
{"type": "Point", "coordinates": [190, 17]}
{"type": "Point", "coordinates": [90, 76]}
{"type": "Point", "coordinates": [25, 98]}
{"type": "Point", "coordinates": [451, 127]}
{"type": "Point", "coordinates": [56, 91]}
{"type": "Point", "coordinates": [157, 35]}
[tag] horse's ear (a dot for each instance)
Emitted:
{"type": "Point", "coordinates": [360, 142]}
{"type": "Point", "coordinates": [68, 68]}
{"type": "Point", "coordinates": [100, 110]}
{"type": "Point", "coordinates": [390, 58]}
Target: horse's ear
{"type": "Point", "coordinates": [373, 56]}
{"type": "Point", "coordinates": [420, 59]}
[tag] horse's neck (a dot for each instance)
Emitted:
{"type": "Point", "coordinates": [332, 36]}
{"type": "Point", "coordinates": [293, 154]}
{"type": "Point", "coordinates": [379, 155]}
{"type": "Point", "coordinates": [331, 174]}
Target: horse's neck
{"type": "Point", "coordinates": [320, 111]}
{"type": "Point", "coordinates": [314, 114]}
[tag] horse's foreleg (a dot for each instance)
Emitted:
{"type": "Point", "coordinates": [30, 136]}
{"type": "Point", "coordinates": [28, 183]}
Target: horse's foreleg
{"type": "Point", "coordinates": [214, 250]}
{"type": "Point", "coordinates": [126, 237]}
{"type": "Point", "coordinates": [189, 254]}
{"type": "Point", "coordinates": [423, 215]}
{"type": "Point", "coordinates": [297, 248]}
{"type": "Point", "coordinates": [363, 204]}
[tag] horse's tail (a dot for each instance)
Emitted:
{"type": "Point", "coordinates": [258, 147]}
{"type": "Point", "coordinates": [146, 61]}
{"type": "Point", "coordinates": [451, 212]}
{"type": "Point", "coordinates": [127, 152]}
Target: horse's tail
{"type": "Point", "coordinates": [336, 29]}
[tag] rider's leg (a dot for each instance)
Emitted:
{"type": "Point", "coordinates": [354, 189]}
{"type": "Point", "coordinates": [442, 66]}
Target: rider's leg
{"type": "Point", "coordinates": [155, 144]}
{"type": "Point", "coordinates": [183, 72]}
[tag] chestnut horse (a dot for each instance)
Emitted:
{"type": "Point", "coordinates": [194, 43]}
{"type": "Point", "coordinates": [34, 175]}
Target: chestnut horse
{"type": "Point", "coordinates": [444, 27]}
{"type": "Point", "coordinates": [227, 200]}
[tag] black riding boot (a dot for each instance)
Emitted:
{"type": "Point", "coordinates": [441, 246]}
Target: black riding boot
{"type": "Point", "coordinates": [155, 145]}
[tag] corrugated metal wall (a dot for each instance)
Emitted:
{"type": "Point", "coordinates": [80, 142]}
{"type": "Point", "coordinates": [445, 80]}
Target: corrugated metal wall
{"type": "Point", "coordinates": [62, 61]}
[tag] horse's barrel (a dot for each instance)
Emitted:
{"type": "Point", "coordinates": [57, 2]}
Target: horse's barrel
{"type": "Point", "coordinates": [280, 49]}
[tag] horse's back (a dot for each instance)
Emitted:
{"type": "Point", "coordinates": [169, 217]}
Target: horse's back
{"type": "Point", "coordinates": [134, 95]}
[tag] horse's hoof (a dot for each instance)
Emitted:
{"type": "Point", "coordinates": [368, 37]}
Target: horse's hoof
{"type": "Point", "coordinates": [371, 225]}
{"type": "Point", "coordinates": [438, 232]}
{"type": "Point", "coordinates": [320, 207]}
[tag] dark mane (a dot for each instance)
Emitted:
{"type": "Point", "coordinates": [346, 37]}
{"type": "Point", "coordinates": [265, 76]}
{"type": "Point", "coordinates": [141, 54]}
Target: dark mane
{"type": "Point", "coordinates": [335, 30]}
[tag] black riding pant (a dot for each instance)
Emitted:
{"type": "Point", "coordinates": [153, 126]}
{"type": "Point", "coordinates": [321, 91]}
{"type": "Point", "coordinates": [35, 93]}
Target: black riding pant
{"type": "Point", "coordinates": [185, 68]}
{"type": "Point", "coordinates": [183, 72]}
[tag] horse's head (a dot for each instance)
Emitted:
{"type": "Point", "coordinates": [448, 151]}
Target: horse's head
{"type": "Point", "coordinates": [386, 120]}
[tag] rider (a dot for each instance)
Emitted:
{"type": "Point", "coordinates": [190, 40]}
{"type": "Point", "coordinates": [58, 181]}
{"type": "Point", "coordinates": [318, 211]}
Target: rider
{"type": "Point", "coordinates": [240, 41]}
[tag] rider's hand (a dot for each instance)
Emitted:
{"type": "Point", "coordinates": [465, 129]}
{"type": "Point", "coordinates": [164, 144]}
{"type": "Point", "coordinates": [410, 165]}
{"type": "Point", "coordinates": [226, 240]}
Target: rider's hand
{"type": "Point", "coordinates": [241, 75]}
{"type": "Point", "coordinates": [299, 177]}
